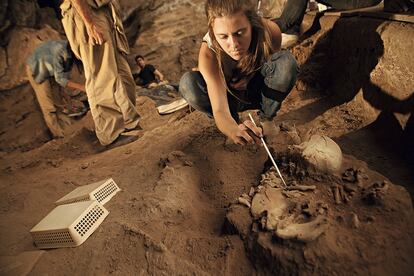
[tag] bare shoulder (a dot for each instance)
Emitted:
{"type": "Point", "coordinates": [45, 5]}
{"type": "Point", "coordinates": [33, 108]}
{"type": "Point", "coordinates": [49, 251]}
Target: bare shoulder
{"type": "Point", "coordinates": [274, 32]}
{"type": "Point", "coordinates": [207, 61]}
{"type": "Point", "coordinates": [206, 52]}
{"type": "Point", "coordinates": [209, 68]}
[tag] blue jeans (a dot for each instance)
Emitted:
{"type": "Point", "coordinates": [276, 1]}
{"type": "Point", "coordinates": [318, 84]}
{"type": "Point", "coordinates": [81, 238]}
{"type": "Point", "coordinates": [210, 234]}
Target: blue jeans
{"type": "Point", "coordinates": [265, 91]}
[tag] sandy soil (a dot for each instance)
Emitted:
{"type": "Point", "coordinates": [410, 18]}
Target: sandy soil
{"type": "Point", "coordinates": [179, 211]}
{"type": "Point", "coordinates": [178, 181]}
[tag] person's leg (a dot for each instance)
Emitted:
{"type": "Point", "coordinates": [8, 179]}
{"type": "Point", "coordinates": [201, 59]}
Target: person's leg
{"type": "Point", "coordinates": [270, 86]}
{"type": "Point", "coordinates": [279, 77]}
{"type": "Point", "coordinates": [45, 98]}
{"type": "Point", "coordinates": [131, 117]}
{"type": "Point", "coordinates": [105, 89]}
{"type": "Point", "coordinates": [57, 90]}
{"type": "Point", "coordinates": [193, 89]}
{"type": "Point", "coordinates": [292, 16]}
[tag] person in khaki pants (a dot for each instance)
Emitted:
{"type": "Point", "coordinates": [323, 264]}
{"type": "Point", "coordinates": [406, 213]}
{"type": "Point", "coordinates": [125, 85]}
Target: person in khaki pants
{"type": "Point", "coordinates": [96, 36]}
{"type": "Point", "coordinates": [48, 70]}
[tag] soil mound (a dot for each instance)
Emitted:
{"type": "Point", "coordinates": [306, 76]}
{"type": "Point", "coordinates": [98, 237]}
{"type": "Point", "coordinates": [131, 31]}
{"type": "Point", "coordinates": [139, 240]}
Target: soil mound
{"type": "Point", "coordinates": [322, 223]}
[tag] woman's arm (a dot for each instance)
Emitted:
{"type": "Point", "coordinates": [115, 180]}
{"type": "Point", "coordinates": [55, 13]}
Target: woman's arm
{"type": "Point", "coordinates": [159, 75]}
{"type": "Point", "coordinates": [209, 68]}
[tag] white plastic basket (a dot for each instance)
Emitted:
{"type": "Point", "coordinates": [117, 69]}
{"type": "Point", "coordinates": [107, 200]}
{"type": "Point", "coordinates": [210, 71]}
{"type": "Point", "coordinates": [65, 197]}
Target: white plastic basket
{"type": "Point", "coordinates": [101, 191]}
{"type": "Point", "coordinates": [69, 225]}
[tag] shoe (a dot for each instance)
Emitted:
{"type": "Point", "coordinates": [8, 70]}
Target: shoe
{"type": "Point", "coordinates": [288, 40]}
{"type": "Point", "coordinates": [172, 107]}
{"type": "Point", "coordinates": [137, 127]}
{"type": "Point", "coordinates": [121, 141]}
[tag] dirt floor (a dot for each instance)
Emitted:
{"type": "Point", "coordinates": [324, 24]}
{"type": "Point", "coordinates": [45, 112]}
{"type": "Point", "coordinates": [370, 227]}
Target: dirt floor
{"type": "Point", "coordinates": [194, 204]}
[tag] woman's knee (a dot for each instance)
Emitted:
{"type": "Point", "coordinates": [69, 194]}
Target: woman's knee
{"type": "Point", "coordinates": [190, 87]}
{"type": "Point", "coordinates": [280, 71]}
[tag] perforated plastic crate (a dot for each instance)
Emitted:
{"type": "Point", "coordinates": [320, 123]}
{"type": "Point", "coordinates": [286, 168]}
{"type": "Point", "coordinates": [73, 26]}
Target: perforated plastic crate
{"type": "Point", "coordinates": [102, 191]}
{"type": "Point", "coordinates": [69, 225]}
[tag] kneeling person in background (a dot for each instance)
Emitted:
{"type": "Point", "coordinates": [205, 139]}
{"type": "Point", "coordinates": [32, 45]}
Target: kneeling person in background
{"type": "Point", "coordinates": [48, 70]}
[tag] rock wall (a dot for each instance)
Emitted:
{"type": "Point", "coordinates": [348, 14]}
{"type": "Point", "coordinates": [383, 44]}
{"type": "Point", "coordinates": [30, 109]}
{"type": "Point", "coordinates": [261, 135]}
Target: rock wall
{"type": "Point", "coordinates": [23, 26]}
{"type": "Point", "coordinates": [22, 42]}
{"type": "Point", "coordinates": [170, 36]}
{"type": "Point", "coordinates": [21, 126]}
{"type": "Point", "coordinates": [345, 59]}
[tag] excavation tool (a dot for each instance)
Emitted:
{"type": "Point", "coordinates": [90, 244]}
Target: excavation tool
{"type": "Point", "coordinates": [270, 155]}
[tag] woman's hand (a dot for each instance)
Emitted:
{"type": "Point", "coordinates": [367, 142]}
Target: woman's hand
{"type": "Point", "coordinates": [247, 133]}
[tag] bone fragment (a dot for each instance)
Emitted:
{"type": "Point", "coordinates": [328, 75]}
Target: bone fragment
{"type": "Point", "coordinates": [251, 192]}
{"type": "Point", "coordinates": [337, 196]}
{"type": "Point", "coordinates": [244, 201]}
{"type": "Point", "coordinates": [355, 220]}
{"type": "Point", "coordinates": [305, 232]}
{"type": "Point", "coordinates": [342, 193]}
{"type": "Point", "coordinates": [301, 188]}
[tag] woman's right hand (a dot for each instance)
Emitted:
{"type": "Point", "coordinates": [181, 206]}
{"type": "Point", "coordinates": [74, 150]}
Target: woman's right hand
{"type": "Point", "coordinates": [247, 133]}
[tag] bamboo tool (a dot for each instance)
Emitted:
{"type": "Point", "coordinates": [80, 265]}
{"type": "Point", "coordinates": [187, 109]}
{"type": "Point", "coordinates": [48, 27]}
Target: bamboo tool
{"type": "Point", "coordinates": [268, 153]}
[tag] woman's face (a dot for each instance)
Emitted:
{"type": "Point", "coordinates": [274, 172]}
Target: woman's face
{"type": "Point", "coordinates": [234, 34]}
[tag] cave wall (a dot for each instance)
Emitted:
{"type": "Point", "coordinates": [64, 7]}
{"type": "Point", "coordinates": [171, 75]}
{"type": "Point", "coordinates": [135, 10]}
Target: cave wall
{"type": "Point", "coordinates": [354, 56]}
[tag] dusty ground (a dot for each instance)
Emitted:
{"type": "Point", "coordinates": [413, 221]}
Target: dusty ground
{"type": "Point", "coordinates": [178, 211]}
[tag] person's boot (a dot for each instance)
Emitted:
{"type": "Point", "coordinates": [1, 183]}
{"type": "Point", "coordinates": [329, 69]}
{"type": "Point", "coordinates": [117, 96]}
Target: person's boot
{"type": "Point", "coordinates": [121, 141]}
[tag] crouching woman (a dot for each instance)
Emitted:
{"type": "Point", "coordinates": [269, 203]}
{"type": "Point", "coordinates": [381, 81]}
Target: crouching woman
{"type": "Point", "coordinates": [241, 67]}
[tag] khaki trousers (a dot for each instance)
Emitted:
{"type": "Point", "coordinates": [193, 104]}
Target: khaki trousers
{"type": "Point", "coordinates": [109, 83]}
{"type": "Point", "coordinates": [48, 94]}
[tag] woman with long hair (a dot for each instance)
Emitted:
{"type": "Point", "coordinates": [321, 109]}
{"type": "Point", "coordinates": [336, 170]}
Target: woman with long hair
{"type": "Point", "coordinates": [241, 67]}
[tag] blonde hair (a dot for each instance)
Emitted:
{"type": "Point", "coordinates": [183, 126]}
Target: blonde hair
{"type": "Point", "coordinates": [260, 47]}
